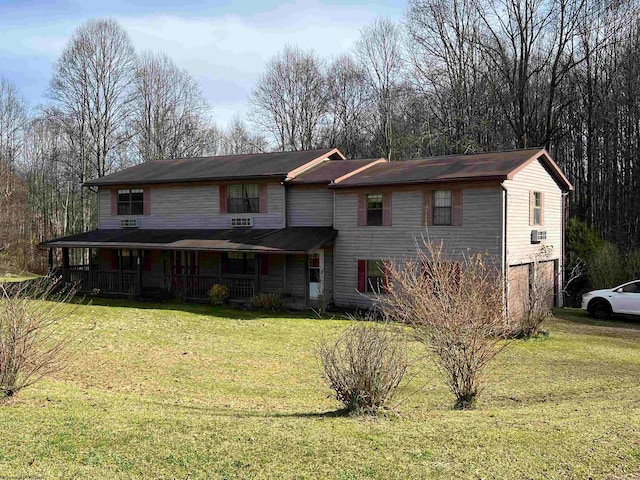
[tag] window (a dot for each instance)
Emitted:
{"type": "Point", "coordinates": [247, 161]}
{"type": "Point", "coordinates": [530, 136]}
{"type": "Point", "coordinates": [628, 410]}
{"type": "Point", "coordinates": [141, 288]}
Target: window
{"type": "Point", "coordinates": [631, 288]}
{"type": "Point", "coordinates": [129, 259]}
{"type": "Point", "coordinates": [131, 201]}
{"type": "Point", "coordinates": [241, 263]}
{"type": "Point", "coordinates": [442, 207]}
{"type": "Point", "coordinates": [314, 268]}
{"type": "Point", "coordinates": [243, 198]}
{"type": "Point", "coordinates": [374, 209]}
{"type": "Point", "coordinates": [375, 276]}
{"type": "Point", "coordinates": [536, 205]}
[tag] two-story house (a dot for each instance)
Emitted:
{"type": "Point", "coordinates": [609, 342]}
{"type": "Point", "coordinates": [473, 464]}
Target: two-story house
{"type": "Point", "coordinates": [312, 226]}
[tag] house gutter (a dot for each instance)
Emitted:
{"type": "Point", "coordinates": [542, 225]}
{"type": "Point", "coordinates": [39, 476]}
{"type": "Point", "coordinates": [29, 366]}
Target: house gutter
{"type": "Point", "coordinates": [505, 266]}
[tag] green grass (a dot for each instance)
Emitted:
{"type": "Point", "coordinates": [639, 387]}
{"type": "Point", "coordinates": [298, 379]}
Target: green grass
{"type": "Point", "coordinates": [202, 392]}
{"type": "Point", "coordinates": [9, 274]}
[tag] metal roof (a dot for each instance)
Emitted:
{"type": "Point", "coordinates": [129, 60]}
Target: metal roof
{"type": "Point", "coordinates": [285, 240]}
{"type": "Point", "coordinates": [227, 167]}
{"type": "Point", "coordinates": [454, 168]}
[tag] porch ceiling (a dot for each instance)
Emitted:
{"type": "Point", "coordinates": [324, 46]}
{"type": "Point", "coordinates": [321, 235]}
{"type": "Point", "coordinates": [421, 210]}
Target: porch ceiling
{"type": "Point", "coordinates": [285, 240]}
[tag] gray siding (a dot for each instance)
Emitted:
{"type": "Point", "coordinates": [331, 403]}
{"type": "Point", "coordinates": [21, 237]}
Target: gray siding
{"type": "Point", "coordinates": [309, 206]}
{"type": "Point", "coordinates": [192, 207]}
{"type": "Point", "coordinates": [519, 249]}
{"type": "Point", "coordinates": [481, 231]}
{"type": "Point", "coordinates": [274, 282]}
{"type": "Point", "coordinates": [533, 178]}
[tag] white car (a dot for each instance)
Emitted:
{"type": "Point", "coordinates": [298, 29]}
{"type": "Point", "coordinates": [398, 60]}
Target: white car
{"type": "Point", "coordinates": [624, 299]}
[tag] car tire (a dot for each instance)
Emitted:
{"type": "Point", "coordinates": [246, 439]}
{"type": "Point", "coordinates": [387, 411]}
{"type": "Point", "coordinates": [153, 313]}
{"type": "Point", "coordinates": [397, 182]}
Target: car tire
{"type": "Point", "coordinates": [601, 310]}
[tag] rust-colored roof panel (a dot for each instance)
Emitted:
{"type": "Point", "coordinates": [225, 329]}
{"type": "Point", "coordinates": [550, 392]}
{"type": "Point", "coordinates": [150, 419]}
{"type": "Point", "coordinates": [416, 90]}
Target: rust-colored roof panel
{"type": "Point", "coordinates": [285, 240]}
{"type": "Point", "coordinates": [277, 164]}
{"type": "Point", "coordinates": [482, 166]}
{"type": "Point", "coordinates": [329, 171]}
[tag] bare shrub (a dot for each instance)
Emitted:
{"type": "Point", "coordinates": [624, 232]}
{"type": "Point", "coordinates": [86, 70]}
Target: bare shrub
{"type": "Point", "coordinates": [536, 291]}
{"type": "Point", "coordinates": [364, 365]}
{"type": "Point", "coordinates": [268, 302]}
{"type": "Point", "coordinates": [219, 294]}
{"type": "Point", "coordinates": [32, 340]}
{"type": "Point", "coordinates": [456, 310]}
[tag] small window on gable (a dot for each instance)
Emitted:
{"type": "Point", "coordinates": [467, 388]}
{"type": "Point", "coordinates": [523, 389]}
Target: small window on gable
{"type": "Point", "coordinates": [537, 208]}
{"type": "Point", "coordinates": [131, 201]}
{"type": "Point", "coordinates": [375, 203]}
{"type": "Point", "coordinates": [243, 198]}
{"type": "Point", "coordinates": [442, 207]}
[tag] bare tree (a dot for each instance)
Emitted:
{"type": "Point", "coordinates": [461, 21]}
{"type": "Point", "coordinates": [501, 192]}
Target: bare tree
{"type": "Point", "coordinates": [13, 119]}
{"type": "Point", "coordinates": [456, 308]}
{"type": "Point", "coordinates": [237, 139]}
{"type": "Point", "coordinates": [92, 92]}
{"type": "Point", "coordinates": [33, 340]}
{"type": "Point", "coordinates": [349, 100]}
{"type": "Point", "coordinates": [170, 110]}
{"type": "Point", "coordinates": [290, 100]}
{"type": "Point", "coordinates": [379, 51]}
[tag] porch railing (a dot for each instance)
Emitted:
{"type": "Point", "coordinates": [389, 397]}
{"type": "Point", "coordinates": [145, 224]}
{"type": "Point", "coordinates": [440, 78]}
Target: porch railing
{"type": "Point", "coordinates": [102, 281]}
{"type": "Point", "coordinates": [198, 286]}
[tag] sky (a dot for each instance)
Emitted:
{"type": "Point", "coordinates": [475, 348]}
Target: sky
{"type": "Point", "coordinates": [223, 44]}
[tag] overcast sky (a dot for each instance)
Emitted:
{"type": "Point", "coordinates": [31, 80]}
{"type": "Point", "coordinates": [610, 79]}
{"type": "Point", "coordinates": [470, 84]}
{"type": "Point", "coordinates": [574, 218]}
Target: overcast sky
{"type": "Point", "coordinates": [224, 44]}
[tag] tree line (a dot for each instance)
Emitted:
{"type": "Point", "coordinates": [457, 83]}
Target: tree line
{"type": "Point", "coordinates": [452, 76]}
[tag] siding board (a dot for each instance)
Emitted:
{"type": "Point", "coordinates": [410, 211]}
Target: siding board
{"type": "Point", "coordinates": [192, 207]}
{"type": "Point", "coordinates": [482, 231]}
{"type": "Point", "coordinates": [309, 206]}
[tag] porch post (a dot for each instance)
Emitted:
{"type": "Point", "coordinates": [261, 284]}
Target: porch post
{"type": "Point", "coordinates": [258, 262]}
{"type": "Point", "coordinates": [90, 271]}
{"type": "Point", "coordinates": [50, 260]}
{"type": "Point", "coordinates": [65, 264]}
{"type": "Point", "coordinates": [306, 280]}
{"type": "Point", "coordinates": [141, 252]}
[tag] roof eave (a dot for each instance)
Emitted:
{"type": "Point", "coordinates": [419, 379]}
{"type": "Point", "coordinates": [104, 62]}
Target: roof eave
{"type": "Point", "coordinates": [422, 182]}
{"type": "Point", "coordinates": [280, 176]}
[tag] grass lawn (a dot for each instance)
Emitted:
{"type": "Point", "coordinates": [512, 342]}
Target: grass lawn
{"type": "Point", "coordinates": [201, 392]}
{"type": "Point", "coordinates": [8, 274]}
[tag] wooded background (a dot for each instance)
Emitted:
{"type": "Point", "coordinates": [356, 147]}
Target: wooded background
{"type": "Point", "coordinates": [453, 76]}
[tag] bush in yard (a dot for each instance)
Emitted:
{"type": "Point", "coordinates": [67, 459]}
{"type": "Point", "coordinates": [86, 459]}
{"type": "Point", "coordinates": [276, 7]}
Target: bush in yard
{"type": "Point", "coordinates": [537, 298]}
{"type": "Point", "coordinates": [455, 308]}
{"type": "Point", "coordinates": [268, 302]}
{"type": "Point", "coordinates": [33, 342]}
{"type": "Point", "coordinates": [364, 365]}
{"type": "Point", "coordinates": [218, 294]}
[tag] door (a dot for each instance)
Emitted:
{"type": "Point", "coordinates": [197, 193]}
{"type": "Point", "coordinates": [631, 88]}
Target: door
{"type": "Point", "coordinates": [626, 299]}
{"type": "Point", "coordinates": [316, 274]}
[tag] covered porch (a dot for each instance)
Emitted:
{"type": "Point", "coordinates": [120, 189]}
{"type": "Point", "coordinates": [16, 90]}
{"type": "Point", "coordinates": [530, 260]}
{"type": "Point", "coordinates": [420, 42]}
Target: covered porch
{"type": "Point", "coordinates": [295, 263]}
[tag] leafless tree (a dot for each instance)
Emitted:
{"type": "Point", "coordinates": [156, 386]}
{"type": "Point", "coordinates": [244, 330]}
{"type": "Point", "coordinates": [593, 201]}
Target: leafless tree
{"type": "Point", "coordinates": [238, 139]}
{"type": "Point", "coordinates": [33, 338]}
{"type": "Point", "coordinates": [171, 114]}
{"type": "Point", "coordinates": [92, 93]}
{"type": "Point", "coordinates": [379, 51]}
{"type": "Point", "coordinates": [290, 99]}
{"type": "Point", "coordinates": [456, 308]}
{"type": "Point", "coordinates": [349, 101]}
{"type": "Point", "coordinates": [13, 119]}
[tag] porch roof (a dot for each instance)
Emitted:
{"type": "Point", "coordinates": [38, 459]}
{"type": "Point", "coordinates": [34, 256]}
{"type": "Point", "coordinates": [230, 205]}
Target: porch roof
{"type": "Point", "coordinates": [285, 240]}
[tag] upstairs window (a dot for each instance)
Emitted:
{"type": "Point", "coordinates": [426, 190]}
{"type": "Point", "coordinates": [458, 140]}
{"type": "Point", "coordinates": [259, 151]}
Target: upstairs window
{"type": "Point", "coordinates": [375, 202]}
{"type": "Point", "coordinates": [131, 201]}
{"type": "Point", "coordinates": [442, 207]}
{"type": "Point", "coordinates": [374, 209]}
{"type": "Point", "coordinates": [536, 201]}
{"type": "Point", "coordinates": [243, 198]}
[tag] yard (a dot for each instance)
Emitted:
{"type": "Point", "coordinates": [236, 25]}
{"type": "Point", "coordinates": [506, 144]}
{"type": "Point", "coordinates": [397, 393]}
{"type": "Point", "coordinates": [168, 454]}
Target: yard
{"type": "Point", "coordinates": [161, 391]}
